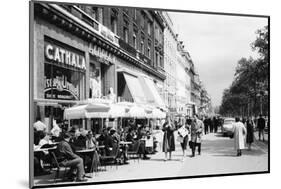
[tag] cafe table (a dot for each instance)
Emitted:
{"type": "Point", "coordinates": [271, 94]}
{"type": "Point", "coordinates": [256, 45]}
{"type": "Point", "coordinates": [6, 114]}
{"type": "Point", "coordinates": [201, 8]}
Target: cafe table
{"type": "Point", "coordinates": [38, 149]}
{"type": "Point", "coordinates": [89, 152]}
{"type": "Point", "coordinates": [125, 142]}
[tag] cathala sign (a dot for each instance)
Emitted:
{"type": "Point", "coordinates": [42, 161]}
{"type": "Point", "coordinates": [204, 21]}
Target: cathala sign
{"type": "Point", "coordinates": [64, 56]}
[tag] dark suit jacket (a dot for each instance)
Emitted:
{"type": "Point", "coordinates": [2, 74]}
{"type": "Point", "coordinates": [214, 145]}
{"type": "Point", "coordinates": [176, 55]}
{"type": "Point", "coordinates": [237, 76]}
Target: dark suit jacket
{"type": "Point", "coordinates": [261, 123]}
{"type": "Point", "coordinates": [108, 141]}
{"type": "Point", "coordinates": [65, 150]}
{"type": "Point", "coordinates": [129, 137]}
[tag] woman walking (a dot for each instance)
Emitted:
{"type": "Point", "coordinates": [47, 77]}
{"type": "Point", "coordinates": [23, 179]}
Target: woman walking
{"type": "Point", "coordinates": [250, 133]}
{"type": "Point", "coordinates": [239, 136]}
{"type": "Point", "coordinates": [183, 137]}
{"type": "Point", "coordinates": [168, 139]}
{"type": "Point", "coordinates": [196, 135]}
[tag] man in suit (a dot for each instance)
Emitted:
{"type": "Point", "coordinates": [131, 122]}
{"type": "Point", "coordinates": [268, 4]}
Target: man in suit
{"type": "Point", "coordinates": [206, 125]}
{"type": "Point", "coordinates": [261, 126]}
{"type": "Point", "coordinates": [71, 159]}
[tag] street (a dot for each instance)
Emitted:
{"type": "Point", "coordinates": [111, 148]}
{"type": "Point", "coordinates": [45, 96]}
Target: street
{"type": "Point", "coordinates": [217, 157]}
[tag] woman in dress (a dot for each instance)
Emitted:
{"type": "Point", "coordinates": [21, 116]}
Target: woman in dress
{"type": "Point", "coordinates": [168, 138]}
{"type": "Point", "coordinates": [91, 143]}
{"type": "Point", "coordinates": [250, 133]}
{"type": "Point", "coordinates": [183, 137]}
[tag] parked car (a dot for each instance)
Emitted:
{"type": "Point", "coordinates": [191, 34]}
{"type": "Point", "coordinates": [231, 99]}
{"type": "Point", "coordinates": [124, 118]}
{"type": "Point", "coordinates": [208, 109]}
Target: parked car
{"type": "Point", "coordinates": [227, 127]}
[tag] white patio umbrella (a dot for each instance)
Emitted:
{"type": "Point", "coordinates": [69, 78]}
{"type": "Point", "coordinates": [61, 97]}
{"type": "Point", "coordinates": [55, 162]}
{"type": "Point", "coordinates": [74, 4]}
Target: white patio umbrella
{"type": "Point", "coordinates": [97, 110]}
{"type": "Point", "coordinates": [117, 110]}
{"type": "Point", "coordinates": [136, 112]}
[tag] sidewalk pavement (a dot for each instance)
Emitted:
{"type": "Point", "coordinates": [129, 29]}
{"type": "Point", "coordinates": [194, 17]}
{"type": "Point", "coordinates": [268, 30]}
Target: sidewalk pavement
{"type": "Point", "coordinates": [256, 135]}
{"type": "Point", "coordinates": [155, 167]}
{"type": "Point", "coordinates": [217, 157]}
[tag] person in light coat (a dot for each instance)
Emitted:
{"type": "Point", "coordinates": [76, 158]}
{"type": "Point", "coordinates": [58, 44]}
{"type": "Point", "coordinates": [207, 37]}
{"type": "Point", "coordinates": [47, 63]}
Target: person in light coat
{"type": "Point", "coordinates": [240, 132]}
{"type": "Point", "coordinates": [197, 128]}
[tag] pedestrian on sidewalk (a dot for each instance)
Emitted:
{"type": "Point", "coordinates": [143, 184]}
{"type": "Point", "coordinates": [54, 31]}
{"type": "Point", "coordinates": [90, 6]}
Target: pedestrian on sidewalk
{"type": "Point", "coordinates": [250, 132]}
{"type": "Point", "coordinates": [206, 125]}
{"type": "Point", "coordinates": [261, 126]}
{"type": "Point", "coordinates": [168, 138]}
{"type": "Point", "coordinates": [183, 137]}
{"type": "Point", "coordinates": [239, 136]}
{"type": "Point", "coordinates": [212, 124]}
{"type": "Point", "coordinates": [196, 134]}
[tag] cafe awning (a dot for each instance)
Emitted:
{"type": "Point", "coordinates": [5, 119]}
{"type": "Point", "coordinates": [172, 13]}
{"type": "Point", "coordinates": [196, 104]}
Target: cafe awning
{"type": "Point", "coordinates": [135, 88]}
{"type": "Point", "coordinates": [152, 95]}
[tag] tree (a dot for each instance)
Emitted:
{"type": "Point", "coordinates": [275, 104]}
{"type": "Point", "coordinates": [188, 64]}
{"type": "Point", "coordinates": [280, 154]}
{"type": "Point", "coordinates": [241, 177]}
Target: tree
{"type": "Point", "coordinates": [250, 80]}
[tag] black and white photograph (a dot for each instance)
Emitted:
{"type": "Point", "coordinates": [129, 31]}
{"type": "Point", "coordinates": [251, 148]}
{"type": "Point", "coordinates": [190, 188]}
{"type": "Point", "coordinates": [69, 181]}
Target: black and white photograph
{"type": "Point", "coordinates": [126, 94]}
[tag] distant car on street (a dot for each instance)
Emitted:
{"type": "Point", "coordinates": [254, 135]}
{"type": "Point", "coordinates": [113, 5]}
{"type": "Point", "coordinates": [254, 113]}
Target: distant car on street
{"type": "Point", "coordinates": [227, 127]}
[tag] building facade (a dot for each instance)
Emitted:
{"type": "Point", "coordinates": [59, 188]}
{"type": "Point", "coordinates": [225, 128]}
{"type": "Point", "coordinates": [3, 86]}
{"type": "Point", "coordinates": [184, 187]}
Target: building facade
{"type": "Point", "coordinates": [177, 63]}
{"type": "Point", "coordinates": [170, 62]}
{"type": "Point", "coordinates": [82, 52]}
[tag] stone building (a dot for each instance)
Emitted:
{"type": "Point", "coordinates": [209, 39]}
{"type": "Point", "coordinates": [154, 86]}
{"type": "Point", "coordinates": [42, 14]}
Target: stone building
{"type": "Point", "coordinates": [82, 52]}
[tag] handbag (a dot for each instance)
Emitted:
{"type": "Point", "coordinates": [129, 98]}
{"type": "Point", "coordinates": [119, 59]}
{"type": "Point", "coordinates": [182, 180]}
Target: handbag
{"type": "Point", "coordinates": [180, 139]}
{"type": "Point", "coordinates": [190, 144]}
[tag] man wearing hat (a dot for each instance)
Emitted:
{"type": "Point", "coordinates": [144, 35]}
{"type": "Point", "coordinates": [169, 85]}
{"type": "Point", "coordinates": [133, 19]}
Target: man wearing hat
{"type": "Point", "coordinates": [71, 159]}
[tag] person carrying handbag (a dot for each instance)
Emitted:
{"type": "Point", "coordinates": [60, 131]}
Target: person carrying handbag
{"type": "Point", "coordinates": [183, 138]}
{"type": "Point", "coordinates": [168, 138]}
{"type": "Point", "coordinates": [196, 135]}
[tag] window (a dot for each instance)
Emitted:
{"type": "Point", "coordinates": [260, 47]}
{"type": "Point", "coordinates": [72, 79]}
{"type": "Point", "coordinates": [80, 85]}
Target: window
{"type": "Point", "coordinates": [100, 15]}
{"type": "Point", "coordinates": [135, 14]}
{"type": "Point", "coordinates": [113, 23]}
{"type": "Point", "coordinates": [125, 34]}
{"type": "Point", "coordinates": [156, 58]}
{"type": "Point", "coordinates": [149, 51]}
{"type": "Point", "coordinates": [142, 21]}
{"type": "Point", "coordinates": [161, 62]}
{"type": "Point", "coordinates": [142, 45]}
{"type": "Point", "coordinates": [149, 28]}
{"type": "Point", "coordinates": [94, 13]}
{"type": "Point", "coordinates": [160, 36]}
{"type": "Point", "coordinates": [135, 40]}
{"type": "Point", "coordinates": [156, 32]}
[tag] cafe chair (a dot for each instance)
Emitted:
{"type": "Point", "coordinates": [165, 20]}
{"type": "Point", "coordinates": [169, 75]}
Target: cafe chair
{"type": "Point", "coordinates": [133, 150]}
{"type": "Point", "coordinates": [111, 158]}
{"type": "Point", "coordinates": [58, 167]}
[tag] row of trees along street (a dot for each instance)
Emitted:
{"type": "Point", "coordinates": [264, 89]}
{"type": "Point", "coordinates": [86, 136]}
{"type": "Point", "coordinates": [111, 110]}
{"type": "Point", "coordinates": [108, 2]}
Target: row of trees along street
{"type": "Point", "coordinates": [248, 93]}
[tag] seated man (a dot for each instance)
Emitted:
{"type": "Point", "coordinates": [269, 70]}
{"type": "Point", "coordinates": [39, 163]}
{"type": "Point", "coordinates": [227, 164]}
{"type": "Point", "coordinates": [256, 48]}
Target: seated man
{"type": "Point", "coordinates": [71, 159]}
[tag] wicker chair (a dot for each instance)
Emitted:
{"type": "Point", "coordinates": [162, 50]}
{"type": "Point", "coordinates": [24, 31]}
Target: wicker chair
{"type": "Point", "coordinates": [111, 158]}
{"type": "Point", "coordinates": [133, 150]}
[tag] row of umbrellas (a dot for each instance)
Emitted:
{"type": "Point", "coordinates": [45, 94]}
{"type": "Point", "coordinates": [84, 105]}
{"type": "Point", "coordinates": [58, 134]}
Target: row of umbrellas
{"type": "Point", "coordinates": [113, 110]}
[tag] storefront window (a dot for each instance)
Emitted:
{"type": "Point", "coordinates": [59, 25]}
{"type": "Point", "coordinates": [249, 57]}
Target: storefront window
{"type": "Point", "coordinates": [63, 84]}
{"type": "Point", "coordinates": [95, 81]}
{"type": "Point", "coordinates": [64, 80]}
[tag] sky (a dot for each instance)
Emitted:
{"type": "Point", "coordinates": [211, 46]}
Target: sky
{"type": "Point", "coordinates": [216, 43]}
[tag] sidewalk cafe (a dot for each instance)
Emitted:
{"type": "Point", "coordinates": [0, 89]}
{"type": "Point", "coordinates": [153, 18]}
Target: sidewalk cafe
{"type": "Point", "coordinates": [113, 134]}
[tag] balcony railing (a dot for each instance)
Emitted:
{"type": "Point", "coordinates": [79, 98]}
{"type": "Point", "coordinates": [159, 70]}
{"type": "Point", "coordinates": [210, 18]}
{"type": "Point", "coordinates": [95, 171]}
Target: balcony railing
{"type": "Point", "coordinates": [145, 59]}
{"type": "Point", "coordinates": [131, 50]}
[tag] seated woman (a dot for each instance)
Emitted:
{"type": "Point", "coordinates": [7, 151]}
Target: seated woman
{"type": "Point", "coordinates": [43, 156]}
